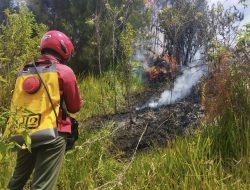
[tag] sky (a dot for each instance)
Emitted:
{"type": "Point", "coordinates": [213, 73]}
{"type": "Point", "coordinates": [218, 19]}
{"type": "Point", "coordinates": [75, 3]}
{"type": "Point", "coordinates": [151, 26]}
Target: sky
{"type": "Point", "coordinates": [228, 3]}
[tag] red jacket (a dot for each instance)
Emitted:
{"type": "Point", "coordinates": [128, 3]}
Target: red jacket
{"type": "Point", "coordinates": [68, 90]}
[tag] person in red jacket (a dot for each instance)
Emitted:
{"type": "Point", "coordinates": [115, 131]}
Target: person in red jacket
{"type": "Point", "coordinates": [46, 158]}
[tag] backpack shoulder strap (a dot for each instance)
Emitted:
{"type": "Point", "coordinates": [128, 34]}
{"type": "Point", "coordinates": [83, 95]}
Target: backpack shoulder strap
{"type": "Point", "coordinates": [46, 89]}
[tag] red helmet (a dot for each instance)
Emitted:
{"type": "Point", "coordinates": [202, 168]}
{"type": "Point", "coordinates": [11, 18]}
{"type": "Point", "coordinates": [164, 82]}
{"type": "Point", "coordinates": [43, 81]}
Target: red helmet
{"type": "Point", "coordinates": [58, 42]}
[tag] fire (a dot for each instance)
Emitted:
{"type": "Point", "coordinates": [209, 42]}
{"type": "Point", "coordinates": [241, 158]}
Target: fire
{"type": "Point", "coordinates": [159, 68]}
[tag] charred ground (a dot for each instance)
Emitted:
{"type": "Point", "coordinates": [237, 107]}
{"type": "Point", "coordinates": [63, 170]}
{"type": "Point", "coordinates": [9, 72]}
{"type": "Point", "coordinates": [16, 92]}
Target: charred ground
{"type": "Point", "coordinates": [158, 126]}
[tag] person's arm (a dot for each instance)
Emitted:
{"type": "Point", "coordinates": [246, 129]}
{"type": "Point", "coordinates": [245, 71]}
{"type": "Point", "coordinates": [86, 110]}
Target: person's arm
{"type": "Point", "coordinates": [71, 92]}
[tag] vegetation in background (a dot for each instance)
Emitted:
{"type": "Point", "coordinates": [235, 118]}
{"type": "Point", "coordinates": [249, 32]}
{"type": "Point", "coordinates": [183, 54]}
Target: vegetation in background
{"type": "Point", "coordinates": [216, 156]}
{"type": "Point", "coordinates": [19, 39]}
{"type": "Point", "coordinates": [78, 20]}
{"type": "Point", "coordinates": [184, 25]}
{"type": "Point", "coordinates": [243, 42]}
{"type": "Point", "coordinates": [127, 41]}
{"type": "Point", "coordinates": [90, 88]}
{"type": "Point", "coordinates": [191, 26]}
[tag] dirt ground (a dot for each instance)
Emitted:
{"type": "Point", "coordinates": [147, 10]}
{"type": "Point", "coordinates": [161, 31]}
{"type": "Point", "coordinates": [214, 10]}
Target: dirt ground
{"type": "Point", "coordinates": [158, 126]}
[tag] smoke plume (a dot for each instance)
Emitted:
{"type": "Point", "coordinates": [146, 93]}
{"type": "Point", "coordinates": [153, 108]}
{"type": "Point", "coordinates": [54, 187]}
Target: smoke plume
{"type": "Point", "coordinates": [181, 88]}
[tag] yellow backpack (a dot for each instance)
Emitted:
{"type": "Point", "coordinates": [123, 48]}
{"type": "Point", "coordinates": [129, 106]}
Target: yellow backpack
{"type": "Point", "coordinates": [35, 111]}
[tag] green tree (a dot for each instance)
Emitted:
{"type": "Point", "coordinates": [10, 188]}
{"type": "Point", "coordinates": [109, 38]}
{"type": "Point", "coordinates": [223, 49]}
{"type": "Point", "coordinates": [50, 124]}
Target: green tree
{"type": "Point", "coordinates": [184, 25]}
{"type": "Point", "coordinates": [243, 41]}
{"type": "Point", "coordinates": [19, 39]}
{"type": "Point", "coordinates": [224, 23]}
{"type": "Point", "coordinates": [127, 42]}
{"type": "Point", "coordinates": [78, 19]}
{"type": "Point", "coordinates": [223, 30]}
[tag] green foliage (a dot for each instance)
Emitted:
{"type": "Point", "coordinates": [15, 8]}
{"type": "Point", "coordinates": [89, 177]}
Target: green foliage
{"type": "Point", "coordinates": [231, 133]}
{"type": "Point", "coordinates": [188, 163]}
{"type": "Point", "coordinates": [90, 165]}
{"type": "Point", "coordinates": [3, 84]}
{"type": "Point", "coordinates": [19, 39]}
{"type": "Point", "coordinates": [184, 26]}
{"type": "Point", "coordinates": [230, 138]}
{"type": "Point", "coordinates": [215, 51]}
{"type": "Point", "coordinates": [223, 24]}
{"type": "Point", "coordinates": [94, 103]}
{"type": "Point", "coordinates": [127, 41]}
{"type": "Point", "coordinates": [243, 41]}
{"type": "Point", "coordinates": [77, 19]}
{"type": "Point", "coordinates": [6, 157]}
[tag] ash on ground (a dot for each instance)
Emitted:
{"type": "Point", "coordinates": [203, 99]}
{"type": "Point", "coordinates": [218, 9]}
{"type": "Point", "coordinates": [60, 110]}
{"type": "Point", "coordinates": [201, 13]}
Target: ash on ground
{"type": "Point", "coordinates": [162, 124]}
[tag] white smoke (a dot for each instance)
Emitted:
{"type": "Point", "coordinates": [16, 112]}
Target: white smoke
{"type": "Point", "coordinates": [190, 75]}
{"type": "Point", "coordinates": [182, 86]}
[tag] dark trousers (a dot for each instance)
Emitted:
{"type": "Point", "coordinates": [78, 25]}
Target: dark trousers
{"type": "Point", "coordinates": [45, 160]}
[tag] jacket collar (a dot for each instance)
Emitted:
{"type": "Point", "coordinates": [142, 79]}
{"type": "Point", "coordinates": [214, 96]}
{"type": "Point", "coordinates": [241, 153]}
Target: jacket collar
{"type": "Point", "coordinates": [48, 57]}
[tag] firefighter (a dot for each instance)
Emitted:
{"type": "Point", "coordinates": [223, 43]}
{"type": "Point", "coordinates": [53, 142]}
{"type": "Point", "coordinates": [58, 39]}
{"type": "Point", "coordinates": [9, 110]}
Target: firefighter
{"type": "Point", "coordinates": [46, 156]}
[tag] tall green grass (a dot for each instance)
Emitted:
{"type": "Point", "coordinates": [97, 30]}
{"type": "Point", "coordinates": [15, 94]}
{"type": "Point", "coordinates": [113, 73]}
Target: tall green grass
{"type": "Point", "coordinates": [106, 94]}
{"type": "Point", "coordinates": [187, 163]}
{"type": "Point", "coordinates": [216, 156]}
{"type": "Point", "coordinates": [89, 164]}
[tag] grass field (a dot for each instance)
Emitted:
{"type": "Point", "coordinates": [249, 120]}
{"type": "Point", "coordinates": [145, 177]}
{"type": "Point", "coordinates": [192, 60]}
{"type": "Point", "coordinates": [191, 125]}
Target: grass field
{"type": "Point", "coordinates": [215, 156]}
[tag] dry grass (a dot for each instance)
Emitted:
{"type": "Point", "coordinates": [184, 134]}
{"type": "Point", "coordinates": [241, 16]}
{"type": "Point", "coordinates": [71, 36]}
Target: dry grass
{"type": "Point", "coordinates": [216, 89]}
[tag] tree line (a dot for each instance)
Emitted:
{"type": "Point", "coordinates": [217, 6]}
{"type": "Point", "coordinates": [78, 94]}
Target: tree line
{"type": "Point", "coordinates": [96, 27]}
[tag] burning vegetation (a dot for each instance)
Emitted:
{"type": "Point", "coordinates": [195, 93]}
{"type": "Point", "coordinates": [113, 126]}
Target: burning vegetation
{"type": "Point", "coordinates": [162, 67]}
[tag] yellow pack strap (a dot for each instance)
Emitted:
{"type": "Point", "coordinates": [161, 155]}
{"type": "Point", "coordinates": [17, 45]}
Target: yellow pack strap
{"type": "Point", "coordinates": [47, 91]}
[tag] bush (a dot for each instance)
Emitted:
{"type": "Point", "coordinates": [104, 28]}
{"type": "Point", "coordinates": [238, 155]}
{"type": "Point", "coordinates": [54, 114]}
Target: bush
{"type": "Point", "coordinates": [19, 39]}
